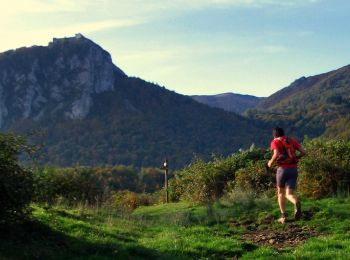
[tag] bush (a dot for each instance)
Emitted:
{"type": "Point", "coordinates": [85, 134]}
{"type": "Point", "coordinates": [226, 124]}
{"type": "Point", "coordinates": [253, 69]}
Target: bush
{"type": "Point", "coordinates": [254, 177]}
{"type": "Point", "coordinates": [325, 171]}
{"type": "Point", "coordinates": [244, 201]}
{"type": "Point", "coordinates": [242, 198]}
{"type": "Point", "coordinates": [92, 185]}
{"type": "Point", "coordinates": [206, 182]}
{"type": "Point", "coordinates": [151, 179]}
{"type": "Point", "coordinates": [72, 185]}
{"type": "Point", "coordinates": [15, 180]}
{"type": "Point", "coordinates": [128, 200]}
{"type": "Point", "coordinates": [201, 182]}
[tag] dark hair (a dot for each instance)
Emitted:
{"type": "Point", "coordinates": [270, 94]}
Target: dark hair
{"type": "Point", "coordinates": [277, 132]}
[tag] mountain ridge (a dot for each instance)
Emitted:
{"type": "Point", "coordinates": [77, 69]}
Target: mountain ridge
{"type": "Point", "coordinates": [298, 85]}
{"type": "Point", "coordinates": [318, 105]}
{"type": "Point", "coordinates": [90, 112]}
{"type": "Point", "coordinates": [229, 101]}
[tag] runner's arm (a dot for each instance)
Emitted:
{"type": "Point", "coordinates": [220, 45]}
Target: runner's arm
{"type": "Point", "coordinates": [273, 158]}
{"type": "Point", "coordinates": [301, 152]}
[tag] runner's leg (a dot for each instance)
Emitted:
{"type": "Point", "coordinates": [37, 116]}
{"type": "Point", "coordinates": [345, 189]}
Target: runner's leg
{"type": "Point", "coordinates": [290, 195]}
{"type": "Point", "coordinates": [281, 199]}
{"type": "Point", "coordinates": [297, 206]}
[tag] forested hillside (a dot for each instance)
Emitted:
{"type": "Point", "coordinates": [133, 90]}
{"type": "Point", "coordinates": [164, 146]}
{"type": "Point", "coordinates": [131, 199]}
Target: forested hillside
{"type": "Point", "coordinates": [314, 106]}
{"type": "Point", "coordinates": [229, 101]}
{"type": "Point", "coordinates": [85, 110]}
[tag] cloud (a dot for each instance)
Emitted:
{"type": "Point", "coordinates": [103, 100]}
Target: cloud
{"type": "Point", "coordinates": [14, 7]}
{"type": "Point", "coordinates": [127, 9]}
{"type": "Point", "coordinates": [86, 27]}
{"type": "Point", "coordinates": [273, 49]}
{"type": "Point", "coordinates": [42, 36]}
{"type": "Point", "coordinates": [131, 7]}
{"type": "Point", "coordinates": [199, 4]}
{"type": "Point", "coordinates": [22, 20]}
{"type": "Point", "coordinates": [157, 52]}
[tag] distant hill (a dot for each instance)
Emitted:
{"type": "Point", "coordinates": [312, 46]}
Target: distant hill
{"type": "Point", "coordinates": [315, 106]}
{"type": "Point", "coordinates": [87, 111]}
{"type": "Point", "coordinates": [229, 101]}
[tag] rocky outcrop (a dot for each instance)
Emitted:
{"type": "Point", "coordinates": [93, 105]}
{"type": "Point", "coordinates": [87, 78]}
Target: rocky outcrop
{"type": "Point", "coordinates": [54, 81]}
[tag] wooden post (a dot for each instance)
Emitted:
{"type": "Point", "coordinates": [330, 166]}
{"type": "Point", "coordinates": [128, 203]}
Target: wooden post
{"type": "Point", "coordinates": [166, 186]}
{"type": "Point", "coordinates": [166, 168]}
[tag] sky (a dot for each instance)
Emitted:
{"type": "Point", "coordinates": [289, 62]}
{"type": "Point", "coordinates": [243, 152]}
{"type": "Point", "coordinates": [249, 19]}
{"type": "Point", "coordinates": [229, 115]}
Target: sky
{"type": "Point", "coordinates": [195, 47]}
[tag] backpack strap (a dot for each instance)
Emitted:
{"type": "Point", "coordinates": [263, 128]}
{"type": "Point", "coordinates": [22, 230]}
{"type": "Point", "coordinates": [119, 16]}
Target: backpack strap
{"type": "Point", "coordinates": [287, 153]}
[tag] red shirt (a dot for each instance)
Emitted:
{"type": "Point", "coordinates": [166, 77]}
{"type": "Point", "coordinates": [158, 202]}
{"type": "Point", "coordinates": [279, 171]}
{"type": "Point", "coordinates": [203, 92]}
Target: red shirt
{"type": "Point", "coordinates": [277, 144]}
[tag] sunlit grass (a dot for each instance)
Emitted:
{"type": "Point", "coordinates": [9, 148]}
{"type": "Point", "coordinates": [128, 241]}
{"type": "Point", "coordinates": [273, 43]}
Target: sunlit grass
{"type": "Point", "coordinates": [173, 231]}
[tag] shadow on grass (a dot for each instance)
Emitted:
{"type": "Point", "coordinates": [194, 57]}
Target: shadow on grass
{"type": "Point", "coordinates": [207, 254]}
{"type": "Point", "coordinates": [34, 240]}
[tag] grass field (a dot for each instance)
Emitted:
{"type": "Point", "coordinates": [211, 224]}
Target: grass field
{"type": "Point", "coordinates": [245, 230]}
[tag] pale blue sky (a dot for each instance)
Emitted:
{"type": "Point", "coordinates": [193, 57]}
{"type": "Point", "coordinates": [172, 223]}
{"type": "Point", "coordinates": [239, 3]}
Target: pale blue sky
{"type": "Point", "coordinates": [196, 46]}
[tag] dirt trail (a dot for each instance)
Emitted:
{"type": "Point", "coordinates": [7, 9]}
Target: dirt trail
{"type": "Point", "coordinates": [264, 232]}
{"type": "Point", "coordinates": [291, 236]}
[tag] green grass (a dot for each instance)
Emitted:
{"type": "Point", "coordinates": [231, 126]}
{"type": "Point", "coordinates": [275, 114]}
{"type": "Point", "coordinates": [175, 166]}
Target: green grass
{"type": "Point", "coordinates": [173, 231]}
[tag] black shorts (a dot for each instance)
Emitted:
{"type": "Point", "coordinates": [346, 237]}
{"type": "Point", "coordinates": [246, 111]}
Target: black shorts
{"type": "Point", "coordinates": [287, 177]}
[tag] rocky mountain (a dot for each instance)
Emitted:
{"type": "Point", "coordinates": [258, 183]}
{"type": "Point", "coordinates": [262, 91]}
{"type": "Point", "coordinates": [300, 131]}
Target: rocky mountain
{"type": "Point", "coordinates": [315, 106]}
{"type": "Point", "coordinates": [56, 81]}
{"type": "Point", "coordinates": [229, 101]}
{"type": "Point", "coordinates": [85, 110]}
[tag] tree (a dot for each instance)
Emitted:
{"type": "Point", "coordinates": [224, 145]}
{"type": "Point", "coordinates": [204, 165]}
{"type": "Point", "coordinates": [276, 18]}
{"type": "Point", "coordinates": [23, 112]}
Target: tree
{"type": "Point", "coordinates": [16, 182]}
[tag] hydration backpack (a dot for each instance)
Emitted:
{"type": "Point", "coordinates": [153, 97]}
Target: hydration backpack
{"type": "Point", "coordinates": [287, 153]}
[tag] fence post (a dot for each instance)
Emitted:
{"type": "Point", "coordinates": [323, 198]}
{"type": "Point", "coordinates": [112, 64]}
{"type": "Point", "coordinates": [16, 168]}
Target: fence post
{"type": "Point", "coordinates": [166, 168]}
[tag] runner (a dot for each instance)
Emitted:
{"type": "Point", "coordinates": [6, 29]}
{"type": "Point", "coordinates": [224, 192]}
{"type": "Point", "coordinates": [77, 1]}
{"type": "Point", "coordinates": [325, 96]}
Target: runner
{"type": "Point", "coordinates": [284, 155]}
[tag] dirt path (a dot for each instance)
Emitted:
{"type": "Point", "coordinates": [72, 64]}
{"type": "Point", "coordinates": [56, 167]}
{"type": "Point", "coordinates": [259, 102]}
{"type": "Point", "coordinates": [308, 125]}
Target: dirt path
{"type": "Point", "coordinates": [291, 236]}
{"type": "Point", "coordinates": [265, 232]}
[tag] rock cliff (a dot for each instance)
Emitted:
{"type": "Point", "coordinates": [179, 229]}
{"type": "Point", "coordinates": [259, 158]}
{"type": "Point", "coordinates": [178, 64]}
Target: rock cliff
{"type": "Point", "coordinates": [56, 81]}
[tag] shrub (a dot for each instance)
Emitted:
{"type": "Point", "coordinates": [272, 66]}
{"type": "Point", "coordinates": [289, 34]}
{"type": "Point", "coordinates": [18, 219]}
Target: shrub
{"type": "Point", "coordinates": [254, 177]}
{"type": "Point", "coordinates": [85, 185]}
{"type": "Point", "coordinates": [46, 185]}
{"type": "Point", "coordinates": [128, 200]}
{"type": "Point", "coordinates": [243, 198]}
{"type": "Point", "coordinates": [73, 185]}
{"type": "Point", "coordinates": [325, 171]}
{"type": "Point", "coordinates": [15, 180]}
{"type": "Point", "coordinates": [151, 179]}
{"type": "Point", "coordinates": [206, 181]}
{"type": "Point", "coordinates": [201, 182]}
{"type": "Point", "coordinates": [244, 201]}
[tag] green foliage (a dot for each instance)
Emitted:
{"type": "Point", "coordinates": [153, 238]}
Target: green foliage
{"type": "Point", "coordinates": [74, 185]}
{"type": "Point", "coordinates": [94, 185]}
{"type": "Point", "coordinates": [339, 127]}
{"type": "Point", "coordinates": [151, 179]}
{"type": "Point", "coordinates": [15, 180]}
{"type": "Point", "coordinates": [325, 171]}
{"type": "Point", "coordinates": [199, 182]}
{"type": "Point", "coordinates": [254, 177]}
{"type": "Point", "coordinates": [129, 201]}
{"type": "Point", "coordinates": [206, 181]}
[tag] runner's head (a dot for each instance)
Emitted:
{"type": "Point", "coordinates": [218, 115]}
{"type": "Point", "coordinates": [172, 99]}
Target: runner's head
{"type": "Point", "coordinates": [277, 132]}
